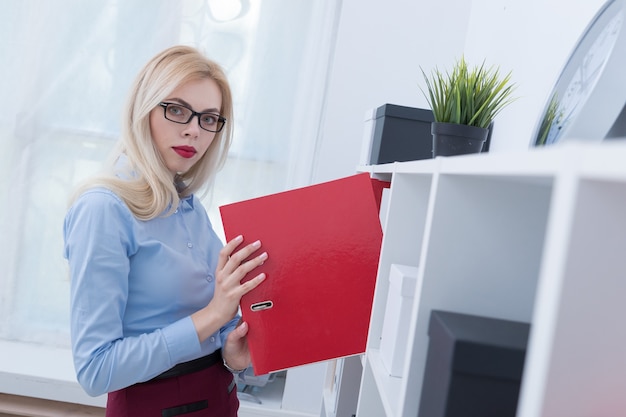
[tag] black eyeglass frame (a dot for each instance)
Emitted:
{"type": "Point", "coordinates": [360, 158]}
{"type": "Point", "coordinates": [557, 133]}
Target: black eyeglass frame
{"type": "Point", "coordinates": [221, 121]}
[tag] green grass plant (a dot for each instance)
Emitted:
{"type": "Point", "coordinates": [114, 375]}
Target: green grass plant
{"type": "Point", "coordinates": [468, 96]}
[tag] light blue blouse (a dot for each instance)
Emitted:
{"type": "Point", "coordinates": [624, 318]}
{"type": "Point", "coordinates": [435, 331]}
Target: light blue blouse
{"type": "Point", "coordinates": [134, 285]}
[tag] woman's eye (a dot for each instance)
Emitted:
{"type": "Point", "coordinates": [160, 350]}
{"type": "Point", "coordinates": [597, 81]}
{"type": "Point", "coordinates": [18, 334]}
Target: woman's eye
{"type": "Point", "coordinates": [209, 119]}
{"type": "Point", "coordinates": [175, 110]}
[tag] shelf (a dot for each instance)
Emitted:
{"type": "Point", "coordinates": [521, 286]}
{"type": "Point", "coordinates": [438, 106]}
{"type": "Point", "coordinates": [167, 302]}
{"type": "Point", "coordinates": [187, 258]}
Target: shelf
{"type": "Point", "coordinates": [531, 236]}
{"type": "Point", "coordinates": [605, 162]}
{"type": "Point", "coordinates": [389, 387]}
{"type": "Point", "coordinates": [587, 159]}
{"type": "Point", "coordinates": [542, 162]}
{"type": "Point", "coordinates": [424, 166]}
{"type": "Point", "coordinates": [381, 172]}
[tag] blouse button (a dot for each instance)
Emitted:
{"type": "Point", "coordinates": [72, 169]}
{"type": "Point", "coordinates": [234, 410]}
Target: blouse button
{"type": "Point", "coordinates": [209, 278]}
{"type": "Point", "coordinates": [189, 245]}
{"type": "Point", "coordinates": [176, 211]}
{"type": "Point", "coordinates": [212, 339]}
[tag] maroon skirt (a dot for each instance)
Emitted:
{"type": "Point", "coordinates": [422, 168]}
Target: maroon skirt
{"type": "Point", "coordinates": [209, 392]}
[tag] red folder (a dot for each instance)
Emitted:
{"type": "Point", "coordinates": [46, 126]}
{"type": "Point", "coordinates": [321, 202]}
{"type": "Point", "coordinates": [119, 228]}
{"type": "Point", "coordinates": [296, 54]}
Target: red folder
{"type": "Point", "coordinates": [323, 243]}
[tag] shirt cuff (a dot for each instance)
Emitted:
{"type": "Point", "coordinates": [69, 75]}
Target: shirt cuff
{"type": "Point", "coordinates": [181, 339]}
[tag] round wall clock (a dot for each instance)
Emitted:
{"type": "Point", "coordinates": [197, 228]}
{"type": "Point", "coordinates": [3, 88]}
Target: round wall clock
{"type": "Point", "coordinates": [591, 90]}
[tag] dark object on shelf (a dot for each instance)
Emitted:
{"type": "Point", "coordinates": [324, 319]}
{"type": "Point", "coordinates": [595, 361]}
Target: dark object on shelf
{"type": "Point", "coordinates": [474, 366]}
{"type": "Point", "coordinates": [451, 139]}
{"type": "Point", "coordinates": [401, 134]}
{"type": "Point", "coordinates": [404, 134]}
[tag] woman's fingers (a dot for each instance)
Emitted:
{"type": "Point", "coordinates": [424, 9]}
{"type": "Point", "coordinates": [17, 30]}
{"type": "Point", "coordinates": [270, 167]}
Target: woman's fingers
{"type": "Point", "coordinates": [228, 255]}
{"type": "Point", "coordinates": [251, 284]}
{"type": "Point", "coordinates": [235, 264]}
{"type": "Point", "coordinates": [245, 268]}
{"type": "Point", "coordinates": [252, 263]}
{"type": "Point", "coordinates": [244, 253]}
{"type": "Point", "coordinates": [224, 254]}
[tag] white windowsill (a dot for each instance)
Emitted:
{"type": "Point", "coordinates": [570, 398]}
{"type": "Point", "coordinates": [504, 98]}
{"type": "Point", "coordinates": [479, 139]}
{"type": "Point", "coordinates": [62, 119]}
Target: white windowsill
{"type": "Point", "coordinates": [44, 372]}
{"type": "Point", "coordinates": [41, 372]}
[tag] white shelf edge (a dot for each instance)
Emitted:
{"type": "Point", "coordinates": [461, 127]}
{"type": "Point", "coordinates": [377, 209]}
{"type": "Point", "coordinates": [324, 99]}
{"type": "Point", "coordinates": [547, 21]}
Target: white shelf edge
{"type": "Point", "coordinates": [595, 160]}
{"type": "Point", "coordinates": [377, 169]}
{"type": "Point", "coordinates": [388, 386]}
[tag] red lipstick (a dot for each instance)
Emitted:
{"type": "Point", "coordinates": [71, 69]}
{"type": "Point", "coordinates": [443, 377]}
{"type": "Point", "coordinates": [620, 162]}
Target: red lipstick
{"type": "Point", "coordinates": [185, 151]}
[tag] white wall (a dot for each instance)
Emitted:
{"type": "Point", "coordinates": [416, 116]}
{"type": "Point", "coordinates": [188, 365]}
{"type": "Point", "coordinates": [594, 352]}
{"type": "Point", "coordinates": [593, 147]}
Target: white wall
{"type": "Point", "coordinates": [381, 46]}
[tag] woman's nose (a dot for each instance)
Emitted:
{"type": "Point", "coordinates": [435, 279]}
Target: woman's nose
{"type": "Point", "coordinates": [192, 128]}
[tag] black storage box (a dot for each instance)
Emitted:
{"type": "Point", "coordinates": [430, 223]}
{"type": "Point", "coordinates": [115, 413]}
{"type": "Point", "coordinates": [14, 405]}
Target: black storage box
{"type": "Point", "coordinates": [474, 366]}
{"type": "Point", "coordinates": [403, 134]}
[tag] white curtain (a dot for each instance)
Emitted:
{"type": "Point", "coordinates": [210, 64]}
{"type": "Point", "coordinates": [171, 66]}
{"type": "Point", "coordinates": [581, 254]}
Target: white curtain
{"type": "Point", "coordinates": [66, 68]}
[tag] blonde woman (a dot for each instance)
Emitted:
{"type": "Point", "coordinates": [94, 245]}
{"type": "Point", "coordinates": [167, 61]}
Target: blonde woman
{"type": "Point", "coordinates": [154, 292]}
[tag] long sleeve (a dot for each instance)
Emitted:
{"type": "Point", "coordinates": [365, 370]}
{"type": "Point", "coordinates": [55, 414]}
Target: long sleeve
{"type": "Point", "coordinates": [133, 287]}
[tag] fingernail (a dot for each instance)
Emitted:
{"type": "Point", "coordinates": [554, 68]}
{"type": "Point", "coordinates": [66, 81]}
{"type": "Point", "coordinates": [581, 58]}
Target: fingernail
{"type": "Point", "coordinates": [263, 256]}
{"type": "Point", "coordinates": [257, 244]}
{"type": "Point", "coordinates": [239, 238]}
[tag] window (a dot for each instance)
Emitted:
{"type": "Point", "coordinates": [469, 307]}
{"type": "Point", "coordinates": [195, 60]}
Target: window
{"type": "Point", "coordinates": [70, 65]}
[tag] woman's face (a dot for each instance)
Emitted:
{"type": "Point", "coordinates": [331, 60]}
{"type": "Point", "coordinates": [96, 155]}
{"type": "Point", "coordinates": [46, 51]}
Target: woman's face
{"type": "Point", "coordinates": [182, 145]}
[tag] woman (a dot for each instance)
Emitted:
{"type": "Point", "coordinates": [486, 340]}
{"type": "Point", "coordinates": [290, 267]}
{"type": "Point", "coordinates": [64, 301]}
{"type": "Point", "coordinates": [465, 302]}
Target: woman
{"type": "Point", "coordinates": [154, 293]}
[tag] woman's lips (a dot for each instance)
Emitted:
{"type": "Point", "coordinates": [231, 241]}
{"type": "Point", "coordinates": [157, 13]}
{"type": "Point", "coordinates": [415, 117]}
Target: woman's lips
{"type": "Point", "coordinates": [185, 151]}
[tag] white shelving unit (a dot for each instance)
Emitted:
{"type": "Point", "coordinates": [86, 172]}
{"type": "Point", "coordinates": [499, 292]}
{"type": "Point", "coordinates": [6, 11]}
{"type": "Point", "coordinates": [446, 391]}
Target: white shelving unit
{"type": "Point", "coordinates": [535, 236]}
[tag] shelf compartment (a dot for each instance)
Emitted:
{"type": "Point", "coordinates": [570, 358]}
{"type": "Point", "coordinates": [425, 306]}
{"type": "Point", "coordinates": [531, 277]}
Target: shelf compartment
{"type": "Point", "coordinates": [482, 256]}
{"type": "Point", "coordinates": [402, 240]}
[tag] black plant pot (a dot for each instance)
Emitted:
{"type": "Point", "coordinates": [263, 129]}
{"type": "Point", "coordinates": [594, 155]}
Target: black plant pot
{"type": "Point", "coordinates": [455, 139]}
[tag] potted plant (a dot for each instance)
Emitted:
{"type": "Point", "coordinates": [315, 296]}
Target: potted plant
{"type": "Point", "coordinates": [464, 103]}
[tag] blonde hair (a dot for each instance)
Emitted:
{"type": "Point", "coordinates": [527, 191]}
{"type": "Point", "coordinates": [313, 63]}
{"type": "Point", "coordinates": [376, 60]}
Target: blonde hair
{"type": "Point", "coordinates": [149, 190]}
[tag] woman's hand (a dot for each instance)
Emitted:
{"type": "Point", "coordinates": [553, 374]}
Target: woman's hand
{"type": "Point", "coordinates": [235, 351]}
{"type": "Point", "coordinates": [232, 266]}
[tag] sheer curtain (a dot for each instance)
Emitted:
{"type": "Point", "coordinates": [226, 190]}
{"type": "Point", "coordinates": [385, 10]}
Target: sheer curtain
{"type": "Point", "coordinates": [67, 66]}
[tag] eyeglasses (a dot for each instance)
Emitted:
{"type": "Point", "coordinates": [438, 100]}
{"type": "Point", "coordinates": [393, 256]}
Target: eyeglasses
{"type": "Point", "coordinates": [178, 113]}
